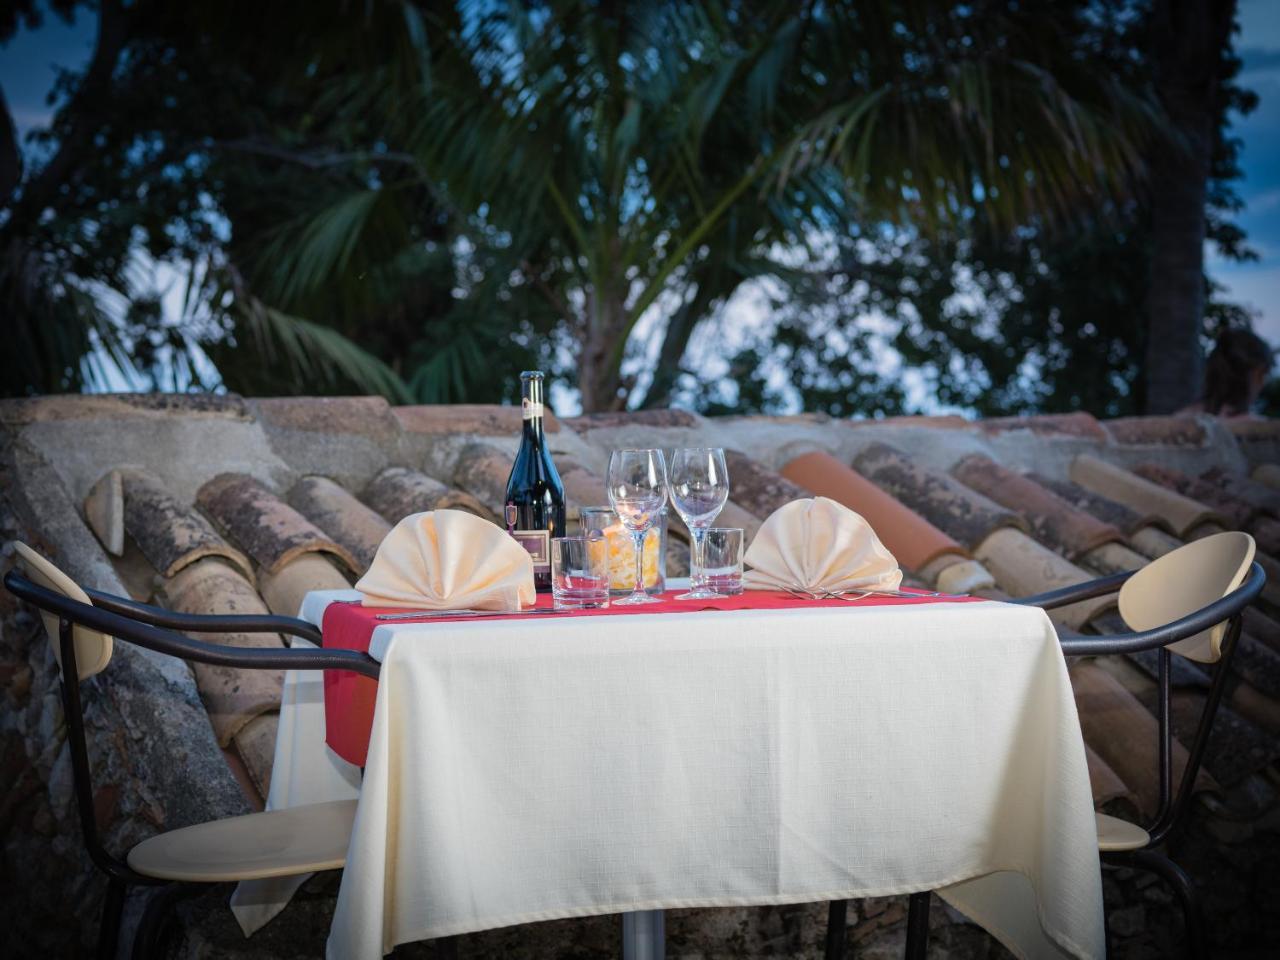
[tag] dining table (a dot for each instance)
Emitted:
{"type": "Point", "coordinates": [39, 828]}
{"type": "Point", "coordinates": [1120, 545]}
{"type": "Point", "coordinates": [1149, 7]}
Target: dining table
{"type": "Point", "coordinates": [763, 749]}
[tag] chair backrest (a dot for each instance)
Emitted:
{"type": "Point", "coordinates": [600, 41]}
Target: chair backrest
{"type": "Point", "coordinates": [1184, 581]}
{"type": "Point", "coordinates": [93, 649]}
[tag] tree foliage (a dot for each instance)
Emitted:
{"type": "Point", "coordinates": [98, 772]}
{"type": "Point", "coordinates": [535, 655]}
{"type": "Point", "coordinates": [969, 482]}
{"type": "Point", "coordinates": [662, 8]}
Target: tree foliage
{"type": "Point", "coordinates": [420, 199]}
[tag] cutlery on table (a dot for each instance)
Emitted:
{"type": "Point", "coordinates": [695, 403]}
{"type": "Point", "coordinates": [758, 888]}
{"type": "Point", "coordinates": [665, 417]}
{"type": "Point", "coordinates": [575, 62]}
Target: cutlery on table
{"type": "Point", "coordinates": [852, 596]}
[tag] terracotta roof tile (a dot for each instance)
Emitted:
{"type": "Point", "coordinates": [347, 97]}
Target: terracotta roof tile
{"type": "Point", "coordinates": [1080, 426]}
{"type": "Point", "coordinates": [1252, 428]}
{"type": "Point", "coordinates": [363, 415]}
{"type": "Point", "coordinates": [1236, 511]}
{"type": "Point", "coordinates": [397, 492]}
{"type": "Point", "coordinates": [1053, 520]}
{"type": "Point", "coordinates": [1268, 474]}
{"type": "Point", "coordinates": [937, 422]}
{"type": "Point", "coordinates": [1240, 514]}
{"type": "Point", "coordinates": [912, 539]}
{"type": "Point", "coordinates": [1260, 665]}
{"type": "Point", "coordinates": [232, 697]}
{"type": "Point", "coordinates": [475, 419]}
{"type": "Point", "coordinates": [339, 514]}
{"type": "Point", "coordinates": [1106, 510]}
{"type": "Point", "coordinates": [1023, 567]}
{"type": "Point", "coordinates": [757, 488]}
{"type": "Point", "coordinates": [104, 512]}
{"type": "Point", "coordinates": [1123, 732]}
{"type": "Point", "coordinates": [482, 470]}
{"type": "Point", "coordinates": [1142, 495]}
{"type": "Point", "coordinates": [171, 534]}
{"type": "Point", "coordinates": [953, 573]}
{"type": "Point", "coordinates": [285, 588]}
{"type": "Point", "coordinates": [255, 745]}
{"type": "Point", "coordinates": [269, 530]}
{"type": "Point", "coordinates": [1183, 431]}
{"type": "Point", "coordinates": [638, 418]}
{"type": "Point", "coordinates": [583, 487]}
{"type": "Point", "coordinates": [944, 501]}
{"type": "Point", "coordinates": [123, 406]}
{"type": "Point", "coordinates": [1104, 783]}
{"type": "Point", "coordinates": [1261, 496]}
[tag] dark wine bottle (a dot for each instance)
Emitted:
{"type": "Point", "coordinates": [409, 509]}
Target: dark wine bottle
{"type": "Point", "coordinates": [534, 508]}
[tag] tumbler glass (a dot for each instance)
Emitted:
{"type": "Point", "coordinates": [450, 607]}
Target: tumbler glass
{"type": "Point", "coordinates": [580, 572]}
{"type": "Point", "coordinates": [722, 560]}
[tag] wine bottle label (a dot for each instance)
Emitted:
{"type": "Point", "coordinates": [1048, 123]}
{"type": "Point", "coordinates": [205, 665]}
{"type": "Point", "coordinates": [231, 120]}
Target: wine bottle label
{"type": "Point", "coordinates": [538, 543]}
{"type": "Point", "coordinates": [530, 408]}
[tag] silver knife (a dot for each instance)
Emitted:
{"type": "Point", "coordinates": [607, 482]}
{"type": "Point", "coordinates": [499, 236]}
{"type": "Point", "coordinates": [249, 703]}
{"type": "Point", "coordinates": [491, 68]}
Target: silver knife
{"type": "Point", "coordinates": [432, 614]}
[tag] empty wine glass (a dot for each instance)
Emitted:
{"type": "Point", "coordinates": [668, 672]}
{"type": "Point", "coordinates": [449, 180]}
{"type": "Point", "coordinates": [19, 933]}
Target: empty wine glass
{"type": "Point", "coordinates": [699, 489]}
{"type": "Point", "coordinates": [637, 489]}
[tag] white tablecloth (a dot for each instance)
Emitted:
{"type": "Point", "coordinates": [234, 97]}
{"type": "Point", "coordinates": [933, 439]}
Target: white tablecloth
{"type": "Point", "coordinates": [304, 771]}
{"type": "Point", "coordinates": [528, 770]}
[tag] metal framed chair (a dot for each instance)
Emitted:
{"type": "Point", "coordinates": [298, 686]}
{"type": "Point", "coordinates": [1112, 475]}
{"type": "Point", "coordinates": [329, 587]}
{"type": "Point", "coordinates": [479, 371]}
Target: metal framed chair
{"type": "Point", "coordinates": [1189, 602]}
{"type": "Point", "coordinates": [81, 626]}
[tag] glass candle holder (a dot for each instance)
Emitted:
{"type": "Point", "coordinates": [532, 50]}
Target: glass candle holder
{"type": "Point", "coordinates": [622, 557]}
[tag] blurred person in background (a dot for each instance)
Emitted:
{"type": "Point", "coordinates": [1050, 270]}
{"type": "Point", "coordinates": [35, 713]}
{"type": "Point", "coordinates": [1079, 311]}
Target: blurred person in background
{"type": "Point", "coordinates": [1236, 372]}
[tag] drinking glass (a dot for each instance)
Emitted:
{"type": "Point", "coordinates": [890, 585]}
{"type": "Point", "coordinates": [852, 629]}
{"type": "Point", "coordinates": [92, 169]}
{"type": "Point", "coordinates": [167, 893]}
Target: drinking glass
{"type": "Point", "coordinates": [580, 572]}
{"type": "Point", "coordinates": [637, 489]}
{"type": "Point", "coordinates": [699, 489]}
{"type": "Point", "coordinates": [722, 560]}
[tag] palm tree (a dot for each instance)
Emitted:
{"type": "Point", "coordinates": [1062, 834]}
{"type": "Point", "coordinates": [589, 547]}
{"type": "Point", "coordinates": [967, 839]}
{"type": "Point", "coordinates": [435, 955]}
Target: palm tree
{"type": "Point", "coordinates": [600, 177]}
{"type": "Point", "coordinates": [626, 156]}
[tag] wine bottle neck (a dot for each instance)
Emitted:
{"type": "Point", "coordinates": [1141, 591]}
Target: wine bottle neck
{"type": "Point", "coordinates": [531, 407]}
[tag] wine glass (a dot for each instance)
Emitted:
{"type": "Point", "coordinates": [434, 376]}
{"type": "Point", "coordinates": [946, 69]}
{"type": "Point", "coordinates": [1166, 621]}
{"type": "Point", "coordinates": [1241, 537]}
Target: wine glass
{"type": "Point", "coordinates": [637, 489]}
{"type": "Point", "coordinates": [699, 488]}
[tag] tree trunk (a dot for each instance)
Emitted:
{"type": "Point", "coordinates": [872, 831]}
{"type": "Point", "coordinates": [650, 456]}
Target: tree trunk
{"type": "Point", "coordinates": [599, 377]}
{"type": "Point", "coordinates": [1187, 42]}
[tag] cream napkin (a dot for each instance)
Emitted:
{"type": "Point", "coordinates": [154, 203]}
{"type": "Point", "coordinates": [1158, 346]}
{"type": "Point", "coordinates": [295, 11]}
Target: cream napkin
{"type": "Point", "coordinates": [448, 560]}
{"type": "Point", "coordinates": [819, 544]}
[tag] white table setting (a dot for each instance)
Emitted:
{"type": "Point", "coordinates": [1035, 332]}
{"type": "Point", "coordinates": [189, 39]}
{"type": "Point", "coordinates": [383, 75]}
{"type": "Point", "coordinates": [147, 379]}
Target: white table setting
{"type": "Point", "coordinates": [823, 736]}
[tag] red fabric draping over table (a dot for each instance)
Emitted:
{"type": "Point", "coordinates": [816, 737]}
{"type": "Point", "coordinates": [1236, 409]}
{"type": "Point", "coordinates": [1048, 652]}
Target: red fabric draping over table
{"type": "Point", "coordinates": [349, 698]}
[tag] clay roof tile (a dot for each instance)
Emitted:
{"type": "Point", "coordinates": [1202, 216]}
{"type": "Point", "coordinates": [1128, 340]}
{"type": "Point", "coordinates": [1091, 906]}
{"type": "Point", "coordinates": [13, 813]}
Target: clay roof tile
{"type": "Point", "coordinates": [483, 420]}
{"type": "Point", "coordinates": [1237, 512]}
{"type": "Point", "coordinates": [339, 514]}
{"type": "Point", "coordinates": [945, 502]}
{"type": "Point", "coordinates": [171, 534]}
{"type": "Point", "coordinates": [638, 418]}
{"type": "Point", "coordinates": [912, 539]}
{"type": "Point", "coordinates": [1079, 425]}
{"type": "Point", "coordinates": [1142, 495]}
{"type": "Point", "coordinates": [269, 530]}
{"type": "Point", "coordinates": [1053, 520]}
{"type": "Point", "coordinates": [397, 492]}
{"type": "Point", "coordinates": [1182, 431]}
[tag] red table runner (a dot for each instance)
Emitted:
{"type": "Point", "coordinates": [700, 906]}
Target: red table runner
{"type": "Point", "coordinates": [349, 698]}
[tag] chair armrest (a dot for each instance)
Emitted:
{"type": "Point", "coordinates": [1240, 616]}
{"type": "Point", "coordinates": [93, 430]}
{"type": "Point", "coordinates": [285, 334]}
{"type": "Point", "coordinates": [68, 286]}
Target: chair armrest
{"type": "Point", "coordinates": [204, 623]}
{"type": "Point", "coordinates": [1077, 591]}
{"type": "Point", "coordinates": [1215, 613]}
{"type": "Point", "coordinates": [178, 645]}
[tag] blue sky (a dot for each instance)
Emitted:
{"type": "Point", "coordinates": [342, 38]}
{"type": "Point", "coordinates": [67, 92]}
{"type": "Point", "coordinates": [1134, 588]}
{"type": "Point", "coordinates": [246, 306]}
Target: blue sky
{"type": "Point", "coordinates": [29, 62]}
{"type": "Point", "coordinates": [1258, 284]}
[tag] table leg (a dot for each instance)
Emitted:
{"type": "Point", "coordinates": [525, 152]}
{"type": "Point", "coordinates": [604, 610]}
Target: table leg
{"type": "Point", "coordinates": [644, 935]}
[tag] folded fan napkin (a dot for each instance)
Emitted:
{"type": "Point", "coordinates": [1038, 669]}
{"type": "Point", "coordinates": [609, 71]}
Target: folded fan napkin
{"type": "Point", "coordinates": [449, 560]}
{"type": "Point", "coordinates": [819, 544]}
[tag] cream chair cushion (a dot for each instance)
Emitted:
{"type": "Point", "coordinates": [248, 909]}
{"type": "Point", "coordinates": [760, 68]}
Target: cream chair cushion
{"type": "Point", "coordinates": [1184, 581]}
{"type": "Point", "coordinates": [1116, 834]}
{"type": "Point", "coordinates": [93, 649]}
{"type": "Point", "coordinates": [277, 843]}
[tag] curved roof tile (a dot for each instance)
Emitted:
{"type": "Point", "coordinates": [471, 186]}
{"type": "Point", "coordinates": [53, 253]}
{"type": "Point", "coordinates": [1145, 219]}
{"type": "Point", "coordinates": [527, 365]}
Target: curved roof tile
{"type": "Point", "coordinates": [1053, 520]}
{"type": "Point", "coordinates": [945, 502]}
{"type": "Point", "coordinates": [912, 539]}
